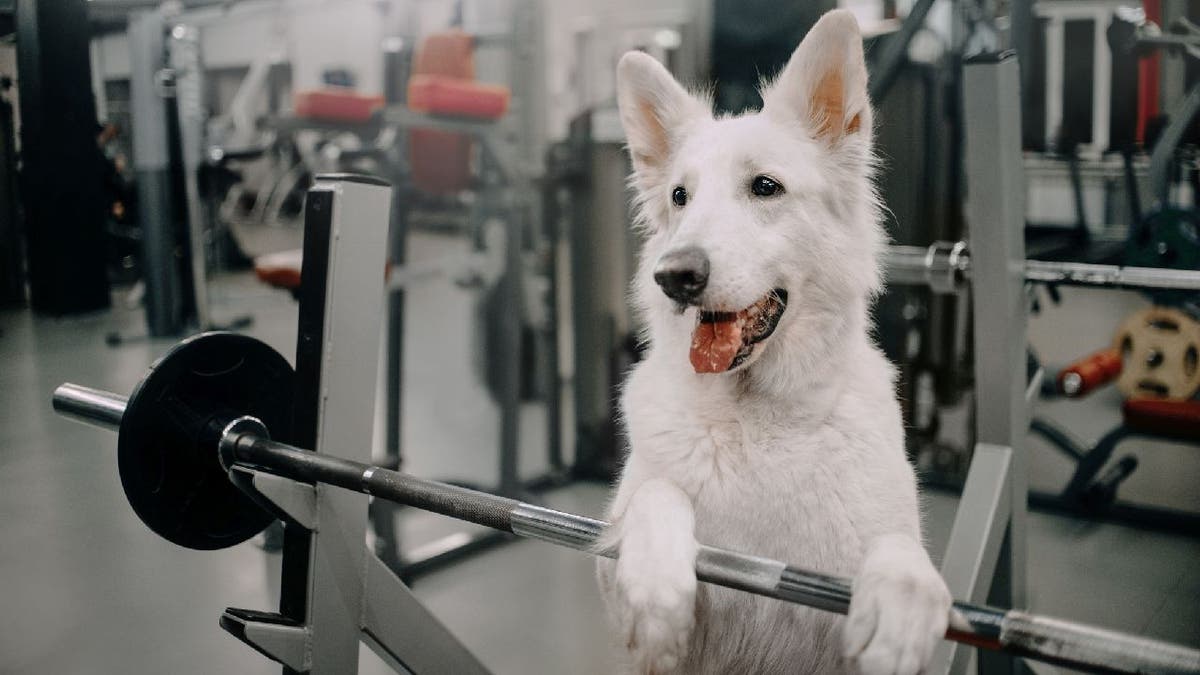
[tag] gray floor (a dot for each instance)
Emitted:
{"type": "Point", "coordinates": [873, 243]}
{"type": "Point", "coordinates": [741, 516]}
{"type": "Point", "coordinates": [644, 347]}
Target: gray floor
{"type": "Point", "coordinates": [85, 588]}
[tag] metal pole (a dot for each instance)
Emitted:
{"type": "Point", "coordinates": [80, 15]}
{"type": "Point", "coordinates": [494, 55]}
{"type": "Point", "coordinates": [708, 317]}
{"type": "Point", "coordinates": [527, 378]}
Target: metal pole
{"type": "Point", "coordinates": [946, 270]}
{"type": "Point", "coordinates": [1054, 641]}
{"type": "Point", "coordinates": [988, 560]}
{"type": "Point", "coordinates": [1083, 274]}
{"type": "Point", "coordinates": [151, 163]}
{"type": "Point", "coordinates": [91, 406]}
{"type": "Point", "coordinates": [188, 65]}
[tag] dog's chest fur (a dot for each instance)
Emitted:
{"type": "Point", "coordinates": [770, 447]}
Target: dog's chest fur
{"type": "Point", "coordinates": [806, 482]}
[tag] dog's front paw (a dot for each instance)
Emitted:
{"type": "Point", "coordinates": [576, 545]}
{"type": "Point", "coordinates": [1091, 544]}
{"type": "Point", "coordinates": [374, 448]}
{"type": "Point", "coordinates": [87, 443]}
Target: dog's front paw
{"type": "Point", "coordinates": [655, 606]}
{"type": "Point", "coordinates": [899, 610]}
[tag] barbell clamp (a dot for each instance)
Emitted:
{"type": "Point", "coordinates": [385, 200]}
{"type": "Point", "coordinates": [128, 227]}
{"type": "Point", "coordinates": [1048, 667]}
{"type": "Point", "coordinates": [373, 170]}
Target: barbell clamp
{"type": "Point", "coordinates": [946, 263]}
{"type": "Point", "coordinates": [289, 499]}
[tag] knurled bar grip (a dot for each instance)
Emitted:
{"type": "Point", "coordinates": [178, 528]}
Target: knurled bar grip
{"type": "Point", "coordinates": [449, 500]}
{"type": "Point", "coordinates": [1052, 640]}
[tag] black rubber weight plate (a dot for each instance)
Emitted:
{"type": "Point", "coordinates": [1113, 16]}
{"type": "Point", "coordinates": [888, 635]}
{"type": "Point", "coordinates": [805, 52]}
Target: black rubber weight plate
{"type": "Point", "coordinates": [166, 450]}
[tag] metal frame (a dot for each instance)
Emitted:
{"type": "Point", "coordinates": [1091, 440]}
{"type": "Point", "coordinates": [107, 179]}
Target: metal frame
{"type": "Point", "coordinates": [187, 66]}
{"type": "Point", "coordinates": [985, 557]}
{"type": "Point", "coordinates": [322, 617]}
{"type": "Point", "coordinates": [151, 162]}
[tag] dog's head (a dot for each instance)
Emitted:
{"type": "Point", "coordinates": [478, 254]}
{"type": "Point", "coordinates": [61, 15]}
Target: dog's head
{"type": "Point", "coordinates": [759, 228]}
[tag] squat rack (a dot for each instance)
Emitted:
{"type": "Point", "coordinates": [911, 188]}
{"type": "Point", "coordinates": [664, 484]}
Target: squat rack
{"type": "Point", "coordinates": [336, 592]}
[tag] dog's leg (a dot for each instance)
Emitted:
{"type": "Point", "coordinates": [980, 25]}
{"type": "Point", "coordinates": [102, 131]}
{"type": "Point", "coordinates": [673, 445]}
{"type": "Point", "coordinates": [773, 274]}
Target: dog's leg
{"type": "Point", "coordinates": [899, 610]}
{"type": "Point", "coordinates": [654, 583]}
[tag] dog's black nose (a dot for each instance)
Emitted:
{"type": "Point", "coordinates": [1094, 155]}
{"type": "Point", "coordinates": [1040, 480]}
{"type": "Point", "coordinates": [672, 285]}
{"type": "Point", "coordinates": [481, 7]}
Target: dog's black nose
{"type": "Point", "coordinates": [682, 274]}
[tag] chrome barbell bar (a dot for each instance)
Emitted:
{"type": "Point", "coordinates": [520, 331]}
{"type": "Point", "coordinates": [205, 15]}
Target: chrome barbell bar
{"type": "Point", "coordinates": [1036, 637]}
{"type": "Point", "coordinates": [946, 268]}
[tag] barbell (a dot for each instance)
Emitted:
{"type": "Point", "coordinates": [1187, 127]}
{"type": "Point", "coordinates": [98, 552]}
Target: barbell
{"type": "Point", "coordinates": [946, 268]}
{"type": "Point", "coordinates": [208, 408]}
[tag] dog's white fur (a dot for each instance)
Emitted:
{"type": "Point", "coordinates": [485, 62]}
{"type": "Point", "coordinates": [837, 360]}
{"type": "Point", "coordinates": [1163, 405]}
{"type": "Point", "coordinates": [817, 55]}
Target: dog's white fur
{"type": "Point", "coordinates": [798, 454]}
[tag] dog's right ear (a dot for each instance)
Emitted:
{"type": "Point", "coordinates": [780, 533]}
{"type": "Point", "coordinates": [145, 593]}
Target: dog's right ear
{"type": "Point", "coordinates": [653, 106]}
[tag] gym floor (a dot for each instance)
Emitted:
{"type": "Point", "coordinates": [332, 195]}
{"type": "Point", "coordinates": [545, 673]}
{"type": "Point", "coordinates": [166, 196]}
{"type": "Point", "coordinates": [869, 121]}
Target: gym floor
{"type": "Point", "coordinates": [86, 588]}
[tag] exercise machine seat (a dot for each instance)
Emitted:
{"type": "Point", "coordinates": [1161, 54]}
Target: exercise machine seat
{"type": "Point", "coordinates": [335, 105]}
{"type": "Point", "coordinates": [280, 270]}
{"type": "Point", "coordinates": [442, 67]}
{"type": "Point", "coordinates": [451, 97]}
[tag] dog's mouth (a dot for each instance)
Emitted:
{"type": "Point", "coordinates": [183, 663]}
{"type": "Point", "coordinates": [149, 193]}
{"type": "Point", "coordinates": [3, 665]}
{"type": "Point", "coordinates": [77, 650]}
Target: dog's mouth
{"type": "Point", "coordinates": [722, 341]}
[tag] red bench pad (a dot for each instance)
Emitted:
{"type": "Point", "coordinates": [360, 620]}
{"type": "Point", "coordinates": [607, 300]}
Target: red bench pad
{"type": "Point", "coordinates": [281, 270]}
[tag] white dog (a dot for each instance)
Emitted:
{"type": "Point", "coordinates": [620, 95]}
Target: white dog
{"type": "Point", "coordinates": [764, 419]}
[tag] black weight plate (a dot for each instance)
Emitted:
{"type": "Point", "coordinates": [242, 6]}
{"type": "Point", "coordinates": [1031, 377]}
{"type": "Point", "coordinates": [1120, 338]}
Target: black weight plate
{"type": "Point", "coordinates": [167, 451]}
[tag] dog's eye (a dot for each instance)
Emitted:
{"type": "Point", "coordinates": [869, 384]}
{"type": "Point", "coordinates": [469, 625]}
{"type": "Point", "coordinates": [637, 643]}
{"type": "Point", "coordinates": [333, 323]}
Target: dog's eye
{"type": "Point", "coordinates": [765, 186]}
{"type": "Point", "coordinates": [679, 196]}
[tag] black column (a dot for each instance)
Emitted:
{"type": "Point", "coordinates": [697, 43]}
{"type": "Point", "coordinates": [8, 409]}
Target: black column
{"type": "Point", "coordinates": [61, 173]}
{"type": "Point", "coordinates": [12, 248]}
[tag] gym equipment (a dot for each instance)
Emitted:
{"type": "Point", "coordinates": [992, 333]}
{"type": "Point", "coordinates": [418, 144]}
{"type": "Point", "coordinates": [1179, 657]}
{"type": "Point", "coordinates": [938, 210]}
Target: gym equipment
{"type": "Point", "coordinates": [1153, 355]}
{"type": "Point", "coordinates": [504, 187]}
{"type": "Point", "coordinates": [441, 132]}
{"type": "Point", "coordinates": [168, 80]}
{"type": "Point", "coordinates": [1160, 348]}
{"type": "Point", "coordinates": [336, 105]}
{"type": "Point", "coordinates": [946, 267]}
{"type": "Point", "coordinates": [1090, 372]}
{"type": "Point", "coordinates": [995, 491]}
{"type": "Point", "coordinates": [1153, 360]}
{"type": "Point", "coordinates": [1168, 235]}
{"type": "Point", "coordinates": [1092, 488]}
{"type": "Point", "coordinates": [200, 414]}
{"type": "Point", "coordinates": [1169, 238]}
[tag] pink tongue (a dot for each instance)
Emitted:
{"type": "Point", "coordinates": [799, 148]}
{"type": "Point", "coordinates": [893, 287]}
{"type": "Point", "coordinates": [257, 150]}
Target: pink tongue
{"type": "Point", "coordinates": [714, 345]}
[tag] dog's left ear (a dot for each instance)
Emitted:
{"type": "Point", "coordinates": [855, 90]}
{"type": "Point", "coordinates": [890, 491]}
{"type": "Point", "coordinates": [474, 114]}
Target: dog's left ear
{"type": "Point", "coordinates": [824, 85]}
